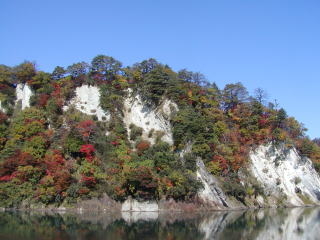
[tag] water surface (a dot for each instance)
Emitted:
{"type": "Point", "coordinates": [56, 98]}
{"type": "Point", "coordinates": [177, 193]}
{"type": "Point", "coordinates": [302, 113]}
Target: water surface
{"type": "Point", "coordinates": [296, 223]}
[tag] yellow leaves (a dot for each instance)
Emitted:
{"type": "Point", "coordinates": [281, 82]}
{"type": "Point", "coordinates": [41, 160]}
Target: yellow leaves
{"type": "Point", "coordinates": [120, 82]}
{"type": "Point", "coordinates": [213, 167]}
{"type": "Point", "coordinates": [2, 97]}
{"type": "Point", "coordinates": [137, 75]}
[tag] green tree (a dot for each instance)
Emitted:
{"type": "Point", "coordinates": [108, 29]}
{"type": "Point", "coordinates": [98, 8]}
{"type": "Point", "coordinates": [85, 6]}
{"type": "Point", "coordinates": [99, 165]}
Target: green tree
{"type": "Point", "coordinates": [40, 80]}
{"type": "Point", "coordinates": [6, 74]}
{"type": "Point", "coordinates": [24, 72]}
{"type": "Point", "coordinates": [78, 69]}
{"type": "Point", "coordinates": [107, 66]}
{"type": "Point", "coordinates": [155, 84]}
{"type": "Point", "coordinates": [58, 73]}
{"type": "Point", "coordinates": [147, 66]}
{"type": "Point", "coordinates": [233, 94]}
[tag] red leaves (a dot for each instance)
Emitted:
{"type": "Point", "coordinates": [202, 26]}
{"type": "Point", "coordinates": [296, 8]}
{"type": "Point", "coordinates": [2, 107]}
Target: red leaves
{"type": "Point", "coordinates": [7, 178]}
{"type": "Point", "coordinates": [54, 162]}
{"type": "Point", "coordinates": [88, 150]}
{"type": "Point", "coordinates": [3, 86]}
{"type": "Point", "coordinates": [142, 146]}
{"type": "Point", "coordinates": [223, 163]}
{"type": "Point", "coordinates": [86, 128]}
{"type": "Point", "coordinates": [56, 167]}
{"type": "Point", "coordinates": [263, 122]}
{"type": "Point", "coordinates": [57, 95]}
{"type": "Point", "coordinates": [143, 182]}
{"type": "Point", "coordinates": [57, 91]}
{"type": "Point", "coordinates": [3, 117]}
{"type": "Point", "coordinates": [115, 143]}
{"type": "Point", "coordinates": [89, 181]}
{"type": "Point", "coordinates": [18, 159]}
{"type": "Point", "coordinates": [43, 99]}
{"type": "Point", "coordinates": [83, 191]}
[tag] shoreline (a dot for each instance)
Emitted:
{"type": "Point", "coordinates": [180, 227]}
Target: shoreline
{"type": "Point", "coordinates": [161, 211]}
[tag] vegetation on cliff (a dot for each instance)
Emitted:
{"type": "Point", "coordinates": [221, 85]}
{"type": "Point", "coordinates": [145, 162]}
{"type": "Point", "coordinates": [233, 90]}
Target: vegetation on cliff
{"type": "Point", "coordinates": [49, 155]}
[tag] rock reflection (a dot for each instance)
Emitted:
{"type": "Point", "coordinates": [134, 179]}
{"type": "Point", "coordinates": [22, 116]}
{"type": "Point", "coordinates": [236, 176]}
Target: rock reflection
{"type": "Point", "coordinates": [296, 223]}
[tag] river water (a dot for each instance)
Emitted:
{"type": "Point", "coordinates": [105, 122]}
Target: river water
{"type": "Point", "coordinates": [295, 223]}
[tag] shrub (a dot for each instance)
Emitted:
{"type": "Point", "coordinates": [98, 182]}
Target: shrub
{"type": "Point", "coordinates": [141, 183]}
{"type": "Point", "coordinates": [88, 150]}
{"type": "Point", "coordinates": [72, 144]}
{"type": "Point", "coordinates": [297, 180]}
{"type": "Point", "coordinates": [142, 146]}
{"type": "Point", "coordinates": [214, 167]}
{"type": "Point", "coordinates": [86, 129]}
{"type": "Point", "coordinates": [135, 132]}
{"type": "Point", "coordinates": [36, 146]}
{"type": "Point", "coordinates": [29, 173]}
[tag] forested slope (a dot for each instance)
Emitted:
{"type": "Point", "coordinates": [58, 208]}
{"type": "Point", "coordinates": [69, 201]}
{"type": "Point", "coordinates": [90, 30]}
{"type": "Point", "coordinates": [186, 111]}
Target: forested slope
{"type": "Point", "coordinates": [137, 131]}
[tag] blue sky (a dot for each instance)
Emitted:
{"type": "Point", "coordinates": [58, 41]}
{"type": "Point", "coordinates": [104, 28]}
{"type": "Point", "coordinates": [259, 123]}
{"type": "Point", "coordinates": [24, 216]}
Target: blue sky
{"type": "Point", "coordinates": [272, 44]}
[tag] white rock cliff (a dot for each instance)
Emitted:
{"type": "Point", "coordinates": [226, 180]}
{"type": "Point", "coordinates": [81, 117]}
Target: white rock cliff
{"type": "Point", "coordinates": [23, 94]}
{"type": "Point", "coordinates": [156, 120]}
{"type": "Point", "coordinates": [284, 173]}
{"type": "Point", "coordinates": [87, 100]}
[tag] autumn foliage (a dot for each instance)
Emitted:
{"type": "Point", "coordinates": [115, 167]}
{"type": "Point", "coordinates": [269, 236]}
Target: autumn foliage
{"type": "Point", "coordinates": [88, 150]}
{"type": "Point", "coordinates": [50, 154]}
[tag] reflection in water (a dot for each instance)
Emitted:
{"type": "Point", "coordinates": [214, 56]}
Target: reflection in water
{"type": "Point", "coordinates": [296, 223]}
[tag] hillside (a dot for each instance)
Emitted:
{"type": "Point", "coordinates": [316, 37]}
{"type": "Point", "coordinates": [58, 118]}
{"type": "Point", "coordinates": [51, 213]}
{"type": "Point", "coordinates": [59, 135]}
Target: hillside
{"type": "Point", "coordinates": [147, 133]}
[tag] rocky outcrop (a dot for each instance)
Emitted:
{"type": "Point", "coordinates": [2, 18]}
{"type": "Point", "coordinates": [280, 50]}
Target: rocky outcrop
{"type": "Point", "coordinates": [286, 178]}
{"type": "Point", "coordinates": [211, 193]}
{"type": "Point", "coordinates": [2, 109]}
{"type": "Point", "coordinates": [132, 205]}
{"type": "Point", "coordinates": [155, 122]}
{"type": "Point", "coordinates": [103, 204]}
{"type": "Point", "coordinates": [23, 94]}
{"type": "Point", "coordinates": [285, 175]}
{"type": "Point", "coordinates": [87, 100]}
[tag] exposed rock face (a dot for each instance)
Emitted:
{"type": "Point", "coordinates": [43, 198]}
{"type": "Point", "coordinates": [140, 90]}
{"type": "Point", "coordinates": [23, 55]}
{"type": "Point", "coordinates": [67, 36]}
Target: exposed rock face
{"type": "Point", "coordinates": [23, 94]}
{"type": "Point", "coordinates": [155, 121]}
{"type": "Point", "coordinates": [132, 205]}
{"type": "Point", "coordinates": [87, 100]}
{"type": "Point", "coordinates": [212, 193]}
{"type": "Point", "coordinates": [103, 204]}
{"type": "Point", "coordinates": [285, 174]}
{"type": "Point", "coordinates": [2, 109]}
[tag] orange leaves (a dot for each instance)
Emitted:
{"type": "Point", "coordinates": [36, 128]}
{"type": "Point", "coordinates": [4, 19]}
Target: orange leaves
{"type": "Point", "coordinates": [143, 145]}
{"type": "Point", "coordinates": [18, 159]}
{"type": "Point", "coordinates": [223, 163]}
{"type": "Point", "coordinates": [43, 99]}
{"type": "Point", "coordinates": [55, 166]}
{"type": "Point", "coordinates": [86, 128]}
{"type": "Point", "coordinates": [54, 162]}
{"type": "Point", "coordinates": [119, 192]}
